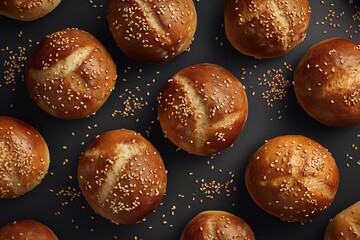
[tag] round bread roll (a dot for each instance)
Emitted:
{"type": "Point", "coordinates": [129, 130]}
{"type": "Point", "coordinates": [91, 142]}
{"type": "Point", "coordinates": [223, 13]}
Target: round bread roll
{"type": "Point", "coordinates": [152, 31]}
{"type": "Point", "coordinates": [122, 176]}
{"type": "Point", "coordinates": [327, 82]}
{"type": "Point", "coordinates": [266, 29]}
{"type": "Point", "coordinates": [27, 10]}
{"type": "Point", "coordinates": [71, 74]}
{"type": "Point", "coordinates": [345, 225]}
{"type": "Point", "coordinates": [26, 230]}
{"type": "Point", "coordinates": [292, 177]}
{"type": "Point", "coordinates": [219, 225]}
{"type": "Point", "coordinates": [203, 109]}
{"type": "Point", "coordinates": [24, 157]}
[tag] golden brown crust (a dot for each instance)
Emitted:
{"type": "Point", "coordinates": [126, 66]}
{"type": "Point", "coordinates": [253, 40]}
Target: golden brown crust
{"type": "Point", "coordinates": [24, 157]}
{"type": "Point", "coordinates": [71, 74]}
{"type": "Point", "coordinates": [266, 29]}
{"type": "Point", "coordinates": [27, 10]}
{"type": "Point", "coordinates": [219, 225]}
{"type": "Point", "coordinates": [292, 177]}
{"type": "Point", "coordinates": [327, 82]}
{"type": "Point", "coordinates": [122, 176]}
{"type": "Point", "coordinates": [26, 230]}
{"type": "Point", "coordinates": [152, 31]}
{"type": "Point", "coordinates": [203, 108]}
{"type": "Point", "coordinates": [345, 225]}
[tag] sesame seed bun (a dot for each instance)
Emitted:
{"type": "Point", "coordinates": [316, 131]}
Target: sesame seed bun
{"type": "Point", "coordinates": [71, 74]}
{"type": "Point", "coordinates": [152, 32]}
{"type": "Point", "coordinates": [203, 109]}
{"type": "Point", "coordinates": [292, 177]}
{"type": "Point", "coordinates": [217, 225]}
{"type": "Point", "coordinates": [26, 230]}
{"type": "Point", "coordinates": [24, 157]}
{"type": "Point", "coordinates": [27, 10]}
{"type": "Point", "coordinates": [122, 176]}
{"type": "Point", "coordinates": [327, 82]}
{"type": "Point", "coordinates": [345, 225]}
{"type": "Point", "coordinates": [266, 29]}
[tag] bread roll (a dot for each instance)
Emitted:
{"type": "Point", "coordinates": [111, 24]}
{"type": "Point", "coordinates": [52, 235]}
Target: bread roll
{"type": "Point", "coordinates": [152, 31]}
{"type": "Point", "coordinates": [24, 157]}
{"type": "Point", "coordinates": [219, 225]}
{"type": "Point", "coordinates": [266, 28]}
{"type": "Point", "coordinates": [292, 177]}
{"type": "Point", "coordinates": [71, 74]}
{"type": "Point", "coordinates": [27, 10]}
{"type": "Point", "coordinates": [122, 176]}
{"type": "Point", "coordinates": [26, 230]}
{"type": "Point", "coordinates": [345, 225]}
{"type": "Point", "coordinates": [327, 82]}
{"type": "Point", "coordinates": [203, 109]}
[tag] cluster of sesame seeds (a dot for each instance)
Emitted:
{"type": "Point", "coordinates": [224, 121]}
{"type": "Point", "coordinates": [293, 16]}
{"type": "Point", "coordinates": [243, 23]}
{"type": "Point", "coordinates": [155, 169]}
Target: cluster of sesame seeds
{"type": "Point", "coordinates": [70, 194]}
{"type": "Point", "coordinates": [13, 62]}
{"type": "Point", "coordinates": [213, 188]}
{"type": "Point", "coordinates": [276, 86]}
{"type": "Point", "coordinates": [333, 20]}
{"type": "Point", "coordinates": [133, 100]}
{"type": "Point", "coordinates": [95, 5]}
{"type": "Point", "coordinates": [354, 149]}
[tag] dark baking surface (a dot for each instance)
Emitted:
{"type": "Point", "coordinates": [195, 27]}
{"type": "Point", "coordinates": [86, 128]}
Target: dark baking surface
{"type": "Point", "coordinates": [194, 183]}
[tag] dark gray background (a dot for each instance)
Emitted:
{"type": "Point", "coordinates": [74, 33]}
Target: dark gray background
{"type": "Point", "coordinates": [71, 218]}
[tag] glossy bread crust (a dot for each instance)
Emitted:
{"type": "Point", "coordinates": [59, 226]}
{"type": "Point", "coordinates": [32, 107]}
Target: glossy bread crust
{"type": "Point", "coordinates": [152, 31]}
{"type": "Point", "coordinates": [26, 230]}
{"type": "Point", "coordinates": [218, 225]}
{"type": "Point", "coordinates": [266, 28]}
{"type": "Point", "coordinates": [292, 177]}
{"type": "Point", "coordinates": [203, 108]}
{"type": "Point", "coordinates": [24, 157]}
{"type": "Point", "coordinates": [327, 82]}
{"type": "Point", "coordinates": [345, 225]}
{"type": "Point", "coordinates": [122, 176]}
{"type": "Point", "coordinates": [71, 74]}
{"type": "Point", "coordinates": [27, 10]}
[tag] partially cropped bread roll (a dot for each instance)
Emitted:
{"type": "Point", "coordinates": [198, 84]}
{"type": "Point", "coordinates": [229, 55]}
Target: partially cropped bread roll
{"type": "Point", "coordinates": [26, 230]}
{"type": "Point", "coordinates": [27, 10]}
{"type": "Point", "coordinates": [345, 225]}
{"type": "Point", "coordinates": [71, 74]}
{"type": "Point", "coordinates": [152, 31]}
{"type": "Point", "coordinates": [266, 28]}
{"type": "Point", "coordinates": [219, 225]}
{"type": "Point", "coordinates": [292, 177]}
{"type": "Point", "coordinates": [122, 176]}
{"type": "Point", "coordinates": [203, 108]}
{"type": "Point", "coordinates": [24, 157]}
{"type": "Point", "coordinates": [327, 82]}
